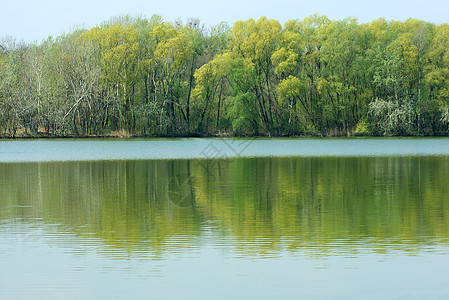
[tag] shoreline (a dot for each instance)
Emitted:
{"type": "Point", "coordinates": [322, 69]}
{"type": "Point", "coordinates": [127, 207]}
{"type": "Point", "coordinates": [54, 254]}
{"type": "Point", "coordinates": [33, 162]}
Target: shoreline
{"type": "Point", "coordinates": [202, 136]}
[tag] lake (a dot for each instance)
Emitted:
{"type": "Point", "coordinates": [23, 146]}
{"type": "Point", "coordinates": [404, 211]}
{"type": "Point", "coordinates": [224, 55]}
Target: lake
{"type": "Point", "coordinates": [224, 219]}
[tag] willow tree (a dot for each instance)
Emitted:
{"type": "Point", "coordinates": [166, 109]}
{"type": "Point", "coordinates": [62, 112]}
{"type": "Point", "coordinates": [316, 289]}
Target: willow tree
{"type": "Point", "coordinates": [118, 50]}
{"type": "Point", "coordinates": [254, 42]}
{"type": "Point", "coordinates": [289, 92]}
{"type": "Point", "coordinates": [209, 94]}
{"type": "Point", "coordinates": [169, 64]}
{"type": "Point", "coordinates": [436, 78]}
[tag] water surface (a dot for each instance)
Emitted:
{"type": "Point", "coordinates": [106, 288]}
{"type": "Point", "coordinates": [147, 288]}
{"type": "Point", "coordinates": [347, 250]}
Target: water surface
{"type": "Point", "coordinates": [297, 227]}
{"type": "Point", "coordinates": [193, 148]}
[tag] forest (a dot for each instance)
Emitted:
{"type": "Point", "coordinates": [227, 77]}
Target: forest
{"type": "Point", "coordinates": [138, 76]}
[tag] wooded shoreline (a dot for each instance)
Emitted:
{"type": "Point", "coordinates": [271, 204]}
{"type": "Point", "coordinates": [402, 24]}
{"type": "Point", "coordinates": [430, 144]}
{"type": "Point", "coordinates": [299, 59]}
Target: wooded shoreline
{"type": "Point", "coordinates": [127, 135]}
{"type": "Point", "coordinates": [138, 77]}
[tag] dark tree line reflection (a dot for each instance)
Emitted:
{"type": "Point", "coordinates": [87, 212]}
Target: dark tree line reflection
{"type": "Point", "coordinates": [251, 204]}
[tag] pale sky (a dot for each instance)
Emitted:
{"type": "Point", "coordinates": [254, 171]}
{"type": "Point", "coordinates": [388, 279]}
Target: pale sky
{"type": "Point", "coordinates": [36, 20]}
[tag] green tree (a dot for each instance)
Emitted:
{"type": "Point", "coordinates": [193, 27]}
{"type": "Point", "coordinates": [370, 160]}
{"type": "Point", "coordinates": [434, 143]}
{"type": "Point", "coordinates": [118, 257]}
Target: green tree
{"type": "Point", "coordinates": [119, 49]}
{"type": "Point", "coordinates": [436, 69]}
{"type": "Point", "coordinates": [170, 62]}
{"type": "Point", "coordinates": [255, 43]}
{"type": "Point", "coordinates": [209, 93]}
{"type": "Point", "coordinates": [289, 92]}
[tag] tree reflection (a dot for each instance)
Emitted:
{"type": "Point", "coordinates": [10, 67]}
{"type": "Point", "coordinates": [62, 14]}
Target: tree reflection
{"type": "Point", "coordinates": [252, 205]}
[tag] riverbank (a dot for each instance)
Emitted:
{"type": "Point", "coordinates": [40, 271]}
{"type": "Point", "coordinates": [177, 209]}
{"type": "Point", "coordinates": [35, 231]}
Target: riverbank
{"type": "Point", "coordinates": [126, 135]}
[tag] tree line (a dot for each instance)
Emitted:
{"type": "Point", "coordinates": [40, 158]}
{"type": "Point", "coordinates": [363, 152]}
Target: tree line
{"type": "Point", "coordinates": [134, 76]}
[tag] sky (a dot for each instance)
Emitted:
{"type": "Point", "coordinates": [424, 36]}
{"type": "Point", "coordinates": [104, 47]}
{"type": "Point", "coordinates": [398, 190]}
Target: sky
{"type": "Point", "coordinates": [33, 20]}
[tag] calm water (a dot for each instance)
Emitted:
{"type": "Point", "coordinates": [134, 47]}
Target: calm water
{"type": "Point", "coordinates": [225, 219]}
{"type": "Point", "coordinates": [83, 150]}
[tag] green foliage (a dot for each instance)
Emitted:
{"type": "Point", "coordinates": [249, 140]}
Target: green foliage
{"type": "Point", "coordinates": [243, 114]}
{"type": "Point", "coordinates": [150, 77]}
{"type": "Point", "coordinates": [362, 128]}
{"type": "Point", "coordinates": [289, 89]}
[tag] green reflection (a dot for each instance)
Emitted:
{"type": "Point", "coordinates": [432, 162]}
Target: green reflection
{"type": "Point", "coordinates": [255, 205]}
